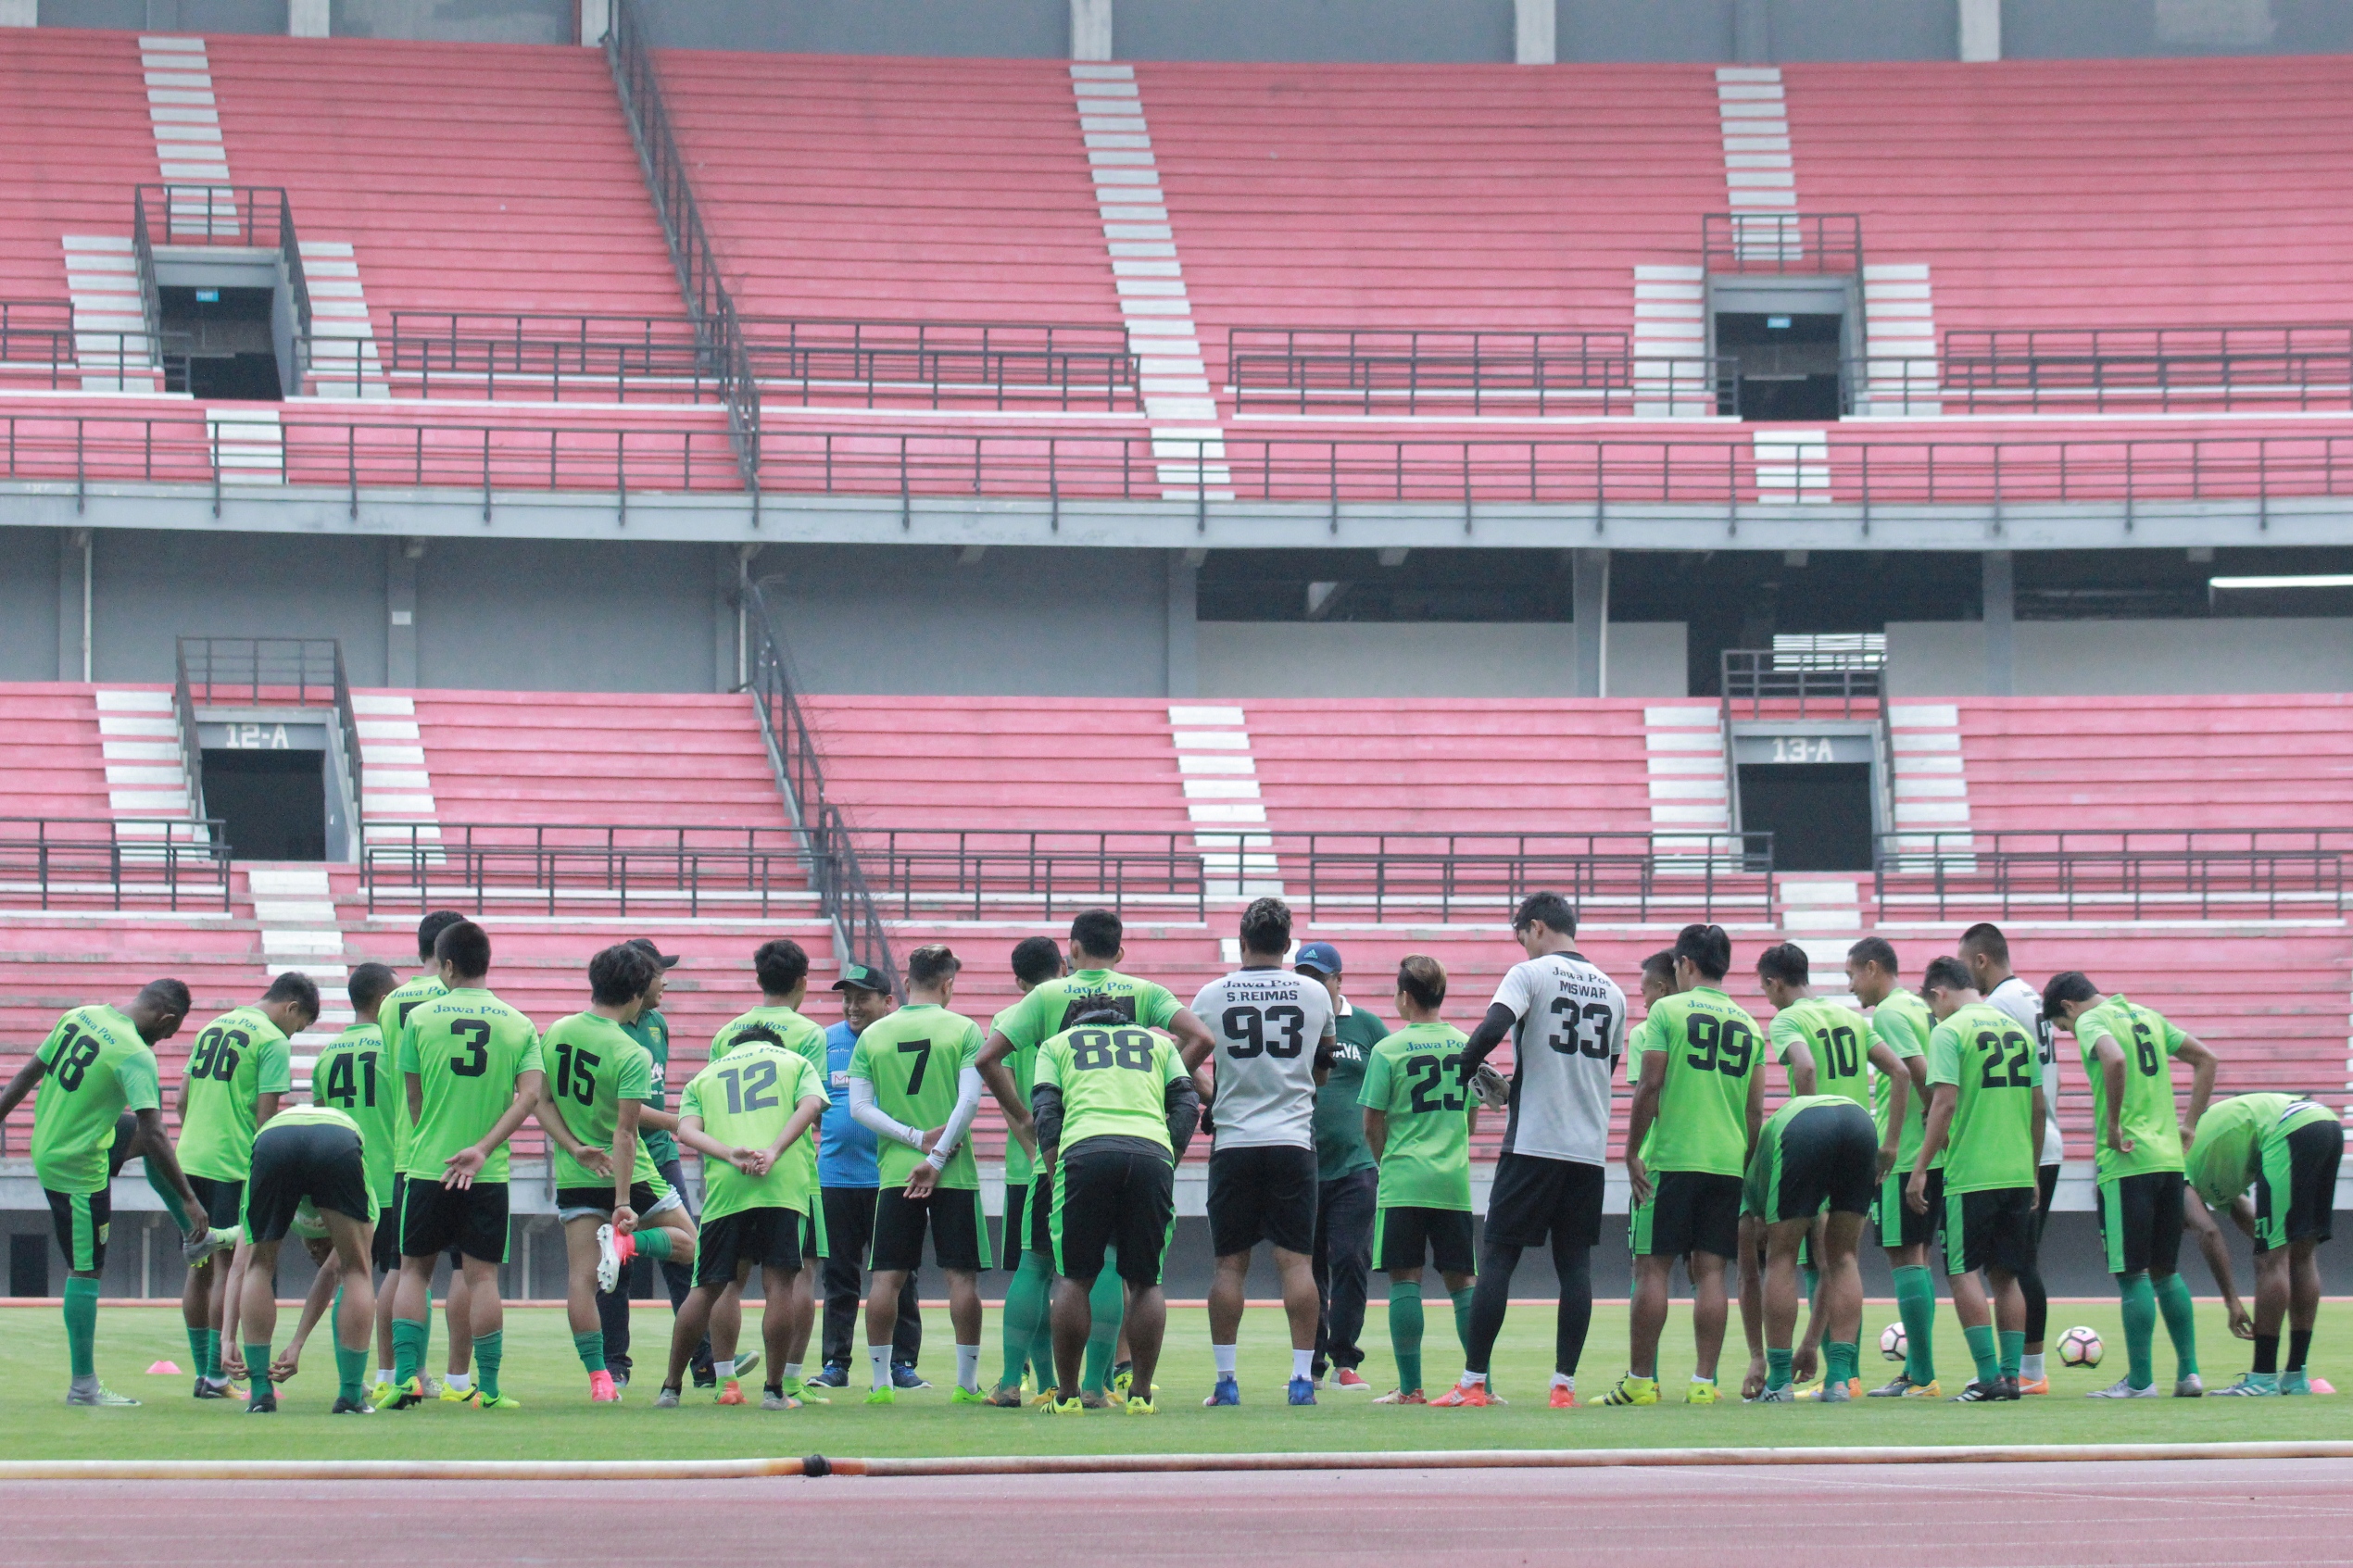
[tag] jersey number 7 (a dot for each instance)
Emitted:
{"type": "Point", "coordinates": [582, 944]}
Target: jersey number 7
{"type": "Point", "coordinates": [920, 1051]}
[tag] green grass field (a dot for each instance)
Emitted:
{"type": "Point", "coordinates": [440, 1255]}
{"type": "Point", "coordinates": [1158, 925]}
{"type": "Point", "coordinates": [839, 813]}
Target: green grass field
{"type": "Point", "coordinates": [558, 1423]}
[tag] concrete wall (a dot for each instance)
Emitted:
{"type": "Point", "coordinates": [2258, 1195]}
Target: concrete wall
{"type": "Point", "coordinates": [28, 593]}
{"type": "Point", "coordinates": [1244, 658]}
{"type": "Point", "coordinates": [2118, 658]}
{"type": "Point", "coordinates": [465, 21]}
{"type": "Point", "coordinates": [1313, 30]}
{"type": "Point", "coordinates": [998, 29]}
{"type": "Point", "coordinates": [168, 16]}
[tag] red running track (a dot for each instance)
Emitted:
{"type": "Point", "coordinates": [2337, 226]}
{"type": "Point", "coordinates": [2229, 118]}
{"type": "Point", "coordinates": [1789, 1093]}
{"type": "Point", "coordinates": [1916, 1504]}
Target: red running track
{"type": "Point", "coordinates": [2177, 1514]}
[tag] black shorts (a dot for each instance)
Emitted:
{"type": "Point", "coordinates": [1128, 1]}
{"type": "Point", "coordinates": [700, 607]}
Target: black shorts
{"type": "Point", "coordinates": [471, 1220]}
{"type": "Point", "coordinates": [1689, 1212]}
{"type": "Point", "coordinates": [1265, 1191]}
{"type": "Point", "coordinates": [1023, 1216]}
{"type": "Point", "coordinates": [224, 1203]}
{"type": "Point", "coordinates": [571, 1201]}
{"type": "Point", "coordinates": [2140, 1222]}
{"type": "Point", "coordinates": [959, 1229]}
{"type": "Point", "coordinates": [1990, 1230]}
{"type": "Point", "coordinates": [1898, 1226]}
{"type": "Point", "coordinates": [2301, 1212]}
{"type": "Point", "coordinates": [1114, 1197]}
{"type": "Point", "coordinates": [82, 1220]}
{"type": "Point", "coordinates": [1823, 1157]}
{"type": "Point", "coordinates": [326, 1164]}
{"type": "Point", "coordinates": [1536, 1197]}
{"type": "Point", "coordinates": [1402, 1237]}
{"type": "Point", "coordinates": [749, 1238]}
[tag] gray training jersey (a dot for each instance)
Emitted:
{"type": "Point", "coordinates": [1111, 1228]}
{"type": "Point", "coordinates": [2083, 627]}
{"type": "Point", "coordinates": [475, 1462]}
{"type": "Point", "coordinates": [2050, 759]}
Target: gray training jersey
{"type": "Point", "coordinates": [1271, 1026]}
{"type": "Point", "coordinates": [2023, 1002]}
{"type": "Point", "coordinates": [1565, 1051]}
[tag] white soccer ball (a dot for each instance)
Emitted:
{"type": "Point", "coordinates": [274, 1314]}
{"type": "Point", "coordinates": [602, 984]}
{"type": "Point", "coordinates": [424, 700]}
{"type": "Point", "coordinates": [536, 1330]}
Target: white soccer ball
{"type": "Point", "coordinates": [1894, 1343]}
{"type": "Point", "coordinates": [2079, 1347]}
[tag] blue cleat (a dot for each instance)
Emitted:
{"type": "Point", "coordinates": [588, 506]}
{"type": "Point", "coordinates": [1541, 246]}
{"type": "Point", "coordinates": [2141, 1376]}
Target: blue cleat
{"type": "Point", "coordinates": [1302, 1390]}
{"type": "Point", "coordinates": [1227, 1392]}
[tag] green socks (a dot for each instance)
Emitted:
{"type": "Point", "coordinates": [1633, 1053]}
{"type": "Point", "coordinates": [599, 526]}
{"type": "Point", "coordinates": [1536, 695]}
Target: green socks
{"type": "Point", "coordinates": [654, 1242]}
{"type": "Point", "coordinates": [1461, 1300]}
{"type": "Point", "coordinates": [2013, 1348]}
{"type": "Point", "coordinates": [1916, 1304]}
{"type": "Point", "coordinates": [1777, 1367]}
{"type": "Point", "coordinates": [197, 1352]}
{"type": "Point", "coordinates": [1842, 1363]}
{"type": "Point", "coordinates": [408, 1348]}
{"type": "Point", "coordinates": [591, 1347]}
{"type": "Point", "coordinates": [213, 1354]}
{"type": "Point", "coordinates": [82, 1325]}
{"type": "Point", "coordinates": [2140, 1328]}
{"type": "Point", "coordinates": [351, 1366]}
{"type": "Point", "coordinates": [258, 1365]}
{"type": "Point", "coordinates": [1106, 1304]}
{"type": "Point", "coordinates": [2181, 1323]}
{"type": "Point", "coordinates": [1025, 1306]}
{"type": "Point", "coordinates": [488, 1348]}
{"type": "Point", "coordinates": [175, 1208]}
{"type": "Point", "coordinates": [1405, 1329]}
{"type": "Point", "coordinates": [1981, 1349]}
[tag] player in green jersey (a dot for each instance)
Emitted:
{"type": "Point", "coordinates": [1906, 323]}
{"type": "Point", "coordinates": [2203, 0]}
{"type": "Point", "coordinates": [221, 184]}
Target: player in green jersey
{"type": "Point", "coordinates": [611, 1201]}
{"type": "Point", "coordinates": [457, 1309]}
{"type": "Point", "coordinates": [1986, 1116]}
{"type": "Point", "coordinates": [1419, 1119]}
{"type": "Point", "coordinates": [2127, 1052]}
{"type": "Point", "coordinates": [782, 969]}
{"type": "Point", "coordinates": [1809, 1181]}
{"type": "Point", "coordinates": [471, 1069]}
{"type": "Point", "coordinates": [1029, 1341]}
{"type": "Point", "coordinates": [314, 1155]}
{"type": "Point", "coordinates": [238, 1070]}
{"type": "Point", "coordinates": [100, 1063]}
{"type": "Point", "coordinates": [353, 1074]}
{"type": "Point", "coordinates": [1900, 1027]}
{"type": "Point", "coordinates": [1696, 1113]}
{"type": "Point", "coordinates": [1114, 1109]}
{"type": "Point", "coordinates": [914, 1081]}
{"type": "Point", "coordinates": [2289, 1150]}
{"type": "Point", "coordinates": [1097, 946]}
{"type": "Point", "coordinates": [743, 1113]}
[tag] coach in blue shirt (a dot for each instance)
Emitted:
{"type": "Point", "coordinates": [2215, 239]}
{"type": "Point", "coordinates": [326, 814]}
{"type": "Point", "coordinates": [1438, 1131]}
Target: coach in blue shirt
{"type": "Point", "coordinates": [848, 1174]}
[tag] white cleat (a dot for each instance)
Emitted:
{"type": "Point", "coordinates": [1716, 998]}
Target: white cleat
{"type": "Point", "coordinates": [2190, 1387]}
{"type": "Point", "coordinates": [608, 1259]}
{"type": "Point", "coordinates": [2122, 1390]}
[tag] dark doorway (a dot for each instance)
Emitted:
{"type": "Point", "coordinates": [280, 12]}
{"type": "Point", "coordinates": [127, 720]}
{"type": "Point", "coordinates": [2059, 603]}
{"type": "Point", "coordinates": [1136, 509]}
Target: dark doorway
{"type": "Point", "coordinates": [220, 342]}
{"type": "Point", "coordinates": [1819, 813]}
{"type": "Point", "coordinates": [273, 803]}
{"type": "Point", "coordinates": [29, 1263]}
{"type": "Point", "coordinates": [1779, 367]}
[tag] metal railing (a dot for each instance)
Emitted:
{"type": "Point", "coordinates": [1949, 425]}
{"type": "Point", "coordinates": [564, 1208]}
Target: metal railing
{"type": "Point", "coordinates": [1800, 687]}
{"type": "Point", "coordinates": [1782, 241]}
{"type": "Point", "coordinates": [183, 715]}
{"type": "Point", "coordinates": [244, 216]}
{"type": "Point", "coordinates": [1459, 371]}
{"type": "Point", "coordinates": [110, 864]}
{"type": "Point", "coordinates": [268, 671]}
{"type": "Point", "coordinates": [484, 354]}
{"type": "Point", "coordinates": [718, 328]}
{"type": "Point", "coordinates": [2299, 366]}
{"type": "Point", "coordinates": [2140, 872]}
{"type": "Point", "coordinates": [556, 869]}
{"type": "Point", "coordinates": [40, 346]}
{"type": "Point", "coordinates": [966, 363]}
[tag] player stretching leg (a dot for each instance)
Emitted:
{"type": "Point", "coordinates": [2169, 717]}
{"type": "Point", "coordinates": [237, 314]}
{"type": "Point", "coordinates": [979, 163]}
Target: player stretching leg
{"type": "Point", "coordinates": [1418, 1121]}
{"type": "Point", "coordinates": [1029, 1340]}
{"type": "Point", "coordinates": [743, 1115]}
{"type": "Point", "coordinates": [2127, 1050]}
{"type": "Point", "coordinates": [314, 1155]}
{"type": "Point", "coordinates": [1818, 1151]}
{"type": "Point", "coordinates": [2289, 1151]}
{"type": "Point", "coordinates": [1567, 1020]}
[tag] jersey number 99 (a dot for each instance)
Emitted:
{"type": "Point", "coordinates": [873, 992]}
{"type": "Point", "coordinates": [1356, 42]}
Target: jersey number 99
{"type": "Point", "coordinates": [1724, 1045]}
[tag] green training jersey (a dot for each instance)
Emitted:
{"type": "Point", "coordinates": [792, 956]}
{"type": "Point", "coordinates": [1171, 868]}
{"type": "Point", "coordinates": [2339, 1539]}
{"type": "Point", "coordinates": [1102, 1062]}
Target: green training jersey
{"type": "Point", "coordinates": [2148, 1116]}
{"type": "Point", "coordinates": [353, 1076]}
{"type": "Point", "coordinates": [1712, 1049]}
{"type": "Point", "coordinates": [781, 1026]}
{"type": "Point", "coordinates": [1113, 1082]}
{"type": "Point", "coordinates": [2227, 1154]}
{"type": "Point", "coordinates": [1054, 1005]}
{"type": "Point", "coordinates": [392, 1015]}
{"type": "Point", "coordinates": [745, 1102]}
{"type": "Point", "coordinates": [1903, 1024]}
{"type": "Point", "coordinates": [592, 1067]}
{"type": "Point", "coordinates": [468, 1049]}
{"type": "Point", "coordinates": [652, 1031]}
{"type": "Point", "coordinates": [1339, 1112]}
{"type": "Point", "coordinates": [96, 1068]}
{"type": "Point", "coordinates": [1020, 1170]}
{"type": "Point", "coordinates": [1414, 1078]}
{"type": "Point", "coordinates": [915, 1058]}
{"type": "Point", "coordinates": [237, 1057]}
{"type": "Point", "coordinates": [1990, 1061]}
{"type": "Point", "coordinates": [1838, 1040]}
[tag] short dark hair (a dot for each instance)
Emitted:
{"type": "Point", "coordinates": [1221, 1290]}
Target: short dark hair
{"type": "Point", "coordinates": [1986, 940]}
{"type": "Point", "coordinates": [1661, 963]}
{"type": "Point", "coordinates": [296, 987]}
{"type": "Point", "coordinates": [1098, 932]}
{"type": "Point", "coordinates": [1708, 949]}
{"type": "Point", "coordinates": [1874, 949]}
{"type": "Point", "coordinates": [621, 973]}
{"type": "Point", "coordinates": [370, 983]}
{"type": "Point", "coordinates": [428, 931]}
{"type": "Point", "coordinates": [781, 965]}
{"type": "Point", "coordinates": [1036, 959]}
{"type": "Point", "coordinates": [1100, 1017]}
{"type": "Point", "coordinates": [930, 964]}
{"type": "Point", "coordinates": [1785, 961]}
{"type": "Point", "coordinates": [1265, 927]}
{"type": "Point", "coordinates": [1945, 973]}
{"type": "Point", "coordinates": [1547, 909]}
{"type": "Point", "coordinates": [167, 995]}
{"type": "Point", "coordinates": [1424, 979]}
{"type": "Point", "coordinates": [465, 946]}
{"type": "Point", "coordinates": [2067, 985]}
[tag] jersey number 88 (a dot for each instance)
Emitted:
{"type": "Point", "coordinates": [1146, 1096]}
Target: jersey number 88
{"type": "Point", "coordinates": [1094, 1050]}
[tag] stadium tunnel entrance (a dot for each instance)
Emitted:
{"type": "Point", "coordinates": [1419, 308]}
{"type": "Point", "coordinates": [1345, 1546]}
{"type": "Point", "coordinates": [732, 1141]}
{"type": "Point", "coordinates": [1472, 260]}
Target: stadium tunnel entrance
{"type": "Point", "coordinates": [277, 786]}
{"type": "Point", "coordinates": [227, 317]}
{"type": "Point", "coordinates": [1780, 345]}
{"type": "Point", "coordinates": [1815, 790]}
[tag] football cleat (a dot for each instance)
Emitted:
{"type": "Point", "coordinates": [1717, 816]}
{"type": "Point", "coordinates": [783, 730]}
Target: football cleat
{"type": "Point", "coordinates": [499, 1402]}
{"type": "Point", "coordinates": [904, 1376]}
{"type": "Point", "coordinates": [1403, 1397]}
{"type": "Point", "coordinates": [407, 1394]}
{"type": "Point", "coordinates": [602, 1390]}
{"type": "Point", "coordinates": [730, 1393]}
{"type": "Point", "coordinates": [1123, 1379]}
{"type": "Point", "coordinates": [796, 1389]}
{"type": "Point", "coordinates": [1563, 1398]}
{"type": "Point", "coordinates": [832, 1376]}
{"type": "Point", "coordinates": [610, 1255]}
{"type": "Point", "coordinates": [195, 1249]}
{"type": "Point", "coordinates": [1005, 1396]}
{"type": "Point", "coordinates": [2033, 1386]}
{"type": "Point", "coordinates": [1701, 1391]}
{"type": "Point", "coordinates": [2301, 1382]}
{"type": "Point", "coordinates": [2191, 1386]}
{"type": "Point", "coordinates": [1137, 1405]}
{"type": "Point", "coordinates": [351, 1407]}
{"type": "Point", "coordinates": [469, 1394]}
{"type": "Point", "coordinates": [1785, 1395]}
{"type": "Point", "coordinates": [1465, 1395]}
{"type": "Point", "coordinates": [1067, 1406]}
{"type": "Point", "coordinates": [1348, 1382]}
{"type": "Point", "coordinates": [264, 1402]}
{"type": "Point", "coordinates": [775, 1398]}
{"type": "Point", "coordinates": [2122, 1390]}
{"type": "Point", "coordinates": [747, 1364]}
{"type": "Point", "coordinates": [1979, 1393]}
{"type": "Point", "coordinates": [97, 1395]}
{"type": "Point", "coordinates": [2252, 1385]}
{"type": "Point", "coordinates": [959, 1395]}
{"type": "Point", "coordinates": [883, 1396]}
{"type": "Point", "coordinates": [1838, 1393]}
{"type": "Point", "coordinates": [1633, 1390]}
{"type": "Point", "coordinates": [1303, 1391]}
{"type": "Point", "coordinates": [208, 1389]}
{"type": "Point", "coordinates": [1227, 1392]}
{"type": "Point", "coordinates": [667, 1400]}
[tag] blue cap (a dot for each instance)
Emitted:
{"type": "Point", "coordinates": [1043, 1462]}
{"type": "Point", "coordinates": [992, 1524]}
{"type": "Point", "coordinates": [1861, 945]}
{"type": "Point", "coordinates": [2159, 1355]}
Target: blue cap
{"type": "Point", "coordinates": [1317, 958]}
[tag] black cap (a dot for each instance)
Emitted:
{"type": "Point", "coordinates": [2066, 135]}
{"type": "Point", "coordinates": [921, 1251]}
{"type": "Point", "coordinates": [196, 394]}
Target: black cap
{"type": "Point", "coordinates": [858, 977]}
{"type": "Point", "coordinates": [645, 944]}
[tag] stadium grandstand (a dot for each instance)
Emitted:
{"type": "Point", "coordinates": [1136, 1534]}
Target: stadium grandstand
{"type": "Point", "coordinates": [888, 475]}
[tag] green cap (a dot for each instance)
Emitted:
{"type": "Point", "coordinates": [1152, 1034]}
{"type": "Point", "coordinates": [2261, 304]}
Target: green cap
{"type": "Point", "coordinates": [858, 977]}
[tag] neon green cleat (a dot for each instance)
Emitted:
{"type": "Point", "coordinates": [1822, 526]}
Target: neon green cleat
{"type": "Point", "coordinates": [383, 1394]}
{"type": "Point", "coordinates": [1066, 1407]}
{"type": "Point", "coordinates": [1139, 1405]}
{"type": "Point", "coordinates": [1633, 1390]}
{"type": "Point", "coordinates": [465, 1396]}
{"type": "Point", "coordinates": [96, 1395]}
{"type": "Point", "coordinates": [1701, 1393]}
{"type": "Point", "coordinates": [883, 1396]}
{"type": "Point", "coordinates": [960, 1395]}
{"type": "Point", "coordinates": [404, 1395]}
{"type": "Point", "coordinates": [500, 1402]}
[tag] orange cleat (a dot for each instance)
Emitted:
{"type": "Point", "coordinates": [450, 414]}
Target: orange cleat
{"type": "Point", "coordinates": [1564, 1396]}
{"type": "Point", "coordinates": [1466, 1394]}
{"type": "Point", "coordinates": [2039, 1385]}
{"type": "Point", "coordinates": [733, 1394]}
{"type": "Point", "coordinates": [602, 1390]}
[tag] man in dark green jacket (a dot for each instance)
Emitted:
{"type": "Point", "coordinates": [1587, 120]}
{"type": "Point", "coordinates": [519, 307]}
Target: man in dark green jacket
{"type": "Point", "coordinates": [1347, 1178]}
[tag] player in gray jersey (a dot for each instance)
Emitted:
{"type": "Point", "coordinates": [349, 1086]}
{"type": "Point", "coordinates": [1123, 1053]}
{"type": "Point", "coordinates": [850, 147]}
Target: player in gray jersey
{"type": "Point", "coordinates": [1567, 1023]}
{"type": "Point", "coordinates": [1987, 953]}
{"type": "Point", "coordinates": [1273, 1041]}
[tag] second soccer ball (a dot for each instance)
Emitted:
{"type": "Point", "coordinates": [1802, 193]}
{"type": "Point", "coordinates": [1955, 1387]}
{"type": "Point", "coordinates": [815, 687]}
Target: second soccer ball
{"type": "Point", "coordinates": [2079, 1347]}
{"type": "Point", "coordinates": [1893, 1344]}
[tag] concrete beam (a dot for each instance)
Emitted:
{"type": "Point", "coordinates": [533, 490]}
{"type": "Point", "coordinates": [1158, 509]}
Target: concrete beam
{"type": "Point", "coordinates": [1090, 30]}
{"type": "Point", "coordinates": [306, 19]}
{"type": "Point", "coordinates": [1589, 591]}
{"type": "Point", "coordinates": [20, 13]}
{"type": "Point", "coordinates": [2001, 624]}
{"type": "Point", "coordinates": [1183, 624]}
{"type": "Point", "coordinates": [1980, 30]}
{"type": "Point", "coordinates": [1534, 32]}
{"type": "Point", "coordinates": [400, 610]}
